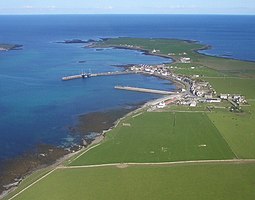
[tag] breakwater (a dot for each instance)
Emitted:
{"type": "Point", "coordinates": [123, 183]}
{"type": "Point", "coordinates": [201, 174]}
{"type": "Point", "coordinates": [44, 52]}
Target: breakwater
{"type": "Point", "coordinates": [146, 90]}
{"type": "Point", "coordinates": [87, 75]}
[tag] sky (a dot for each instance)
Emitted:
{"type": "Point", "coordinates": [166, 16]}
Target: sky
{"type": "Point", "coordinates": [238, 7]}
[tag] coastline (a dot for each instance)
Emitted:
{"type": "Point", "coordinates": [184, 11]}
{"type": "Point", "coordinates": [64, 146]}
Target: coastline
{"type": "Point", "coordinates": [96, 141]}
{"type": "Point", "coordinates": [102, 133]}
{"type": "Point", "coordinates": [101, 137]}
{"type": "Point", "coordinates": [146, 52]}
{"type": "Point", "coordinates": [80, 147]}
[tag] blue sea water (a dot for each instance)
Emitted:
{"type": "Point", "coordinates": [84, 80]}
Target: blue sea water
{"type": "Point", "coordinates": [37, 107]}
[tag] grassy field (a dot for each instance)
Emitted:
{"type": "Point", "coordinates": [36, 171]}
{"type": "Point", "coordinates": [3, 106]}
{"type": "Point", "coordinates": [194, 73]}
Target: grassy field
{"type": "Point", "coordinates": [238, 130]}
{"type": "Point", "coordinates": [194, 69]}
{"type": "Point", "coordinates": [244, 86]}
{"type": "Point", "coordinates": [179, 182]}
{"type": "Point", "coordinates": [226, 64]}
{"type": "Point", "coordinates": [165, 46]}
{"type": "Point", "coordinates": [201, 107]}
{"type": "Point", "coordinates": [158, 137]}
{"type": "Point", "coordinates": [201, 71]}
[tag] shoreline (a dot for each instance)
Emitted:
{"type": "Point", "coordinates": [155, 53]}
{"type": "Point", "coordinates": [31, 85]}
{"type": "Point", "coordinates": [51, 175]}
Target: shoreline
{"type": "Point", "coordinates": [73, 155]}
{"type": "Point", "coordinates": [97, 140]}
{"type": "Point", "coordinates": [146, 52]}
{"type": "Point", "coordinates": [102, 135]}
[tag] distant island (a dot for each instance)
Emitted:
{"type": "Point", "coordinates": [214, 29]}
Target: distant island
{"type": "Point", "coordinates": [8, 47]}
{"type": "Point", "coordinates": [77, 41]}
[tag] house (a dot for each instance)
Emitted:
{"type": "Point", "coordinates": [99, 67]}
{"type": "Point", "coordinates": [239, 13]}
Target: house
{"type": "Point", "coordinates": [213, 100]}
{"type": "Point", "coordinates": [224, 96]}
{"type": "Point", "coordinates": [185, 60]}
{"type": "Point", "coordinates": [236, 96]}
{"type": "Point", "coordinates": [161, 105]}
{"type": "Point", "coordinates": [193, 104]}
{"type": "Point", "coordinates": [155, 51]}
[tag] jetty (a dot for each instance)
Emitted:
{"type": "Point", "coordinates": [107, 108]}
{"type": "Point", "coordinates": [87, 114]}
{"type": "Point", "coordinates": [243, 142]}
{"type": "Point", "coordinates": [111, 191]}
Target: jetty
{"type": "Point", "coordinates": [88, 75]}
{"type": "Point", "coordinates": [146, 90]}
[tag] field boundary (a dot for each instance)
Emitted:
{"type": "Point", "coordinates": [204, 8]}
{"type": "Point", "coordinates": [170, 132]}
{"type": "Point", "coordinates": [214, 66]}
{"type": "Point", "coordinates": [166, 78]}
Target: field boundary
{"type": "Point", "coordinates": [81, 154]}
{"type": "Point", "coordinates": [223, 137]}
{"type": "Point", "coordinates": [33, 183]}
{"type": "Point", "coordinates": [160, 163]}
{"type": "Point", "coordinates": [124, 165]}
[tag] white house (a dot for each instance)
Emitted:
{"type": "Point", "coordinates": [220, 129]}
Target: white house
{"type": "Point", "coordinates": [161, 105]}
{"type": "Point", "coordinates": [224, 96]}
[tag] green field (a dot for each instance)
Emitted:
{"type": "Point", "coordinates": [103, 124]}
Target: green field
{"type": "Point", "coordinates": [195, 69]}
{"type": "Point", "coordinates": [179, 182]}
{"type": "Point", "coordinates": [159, 137]}
{"type": "Point", "coordinates": [238, 130]}
{"type": "Point", "coordinates": [164, 45]}
{"type": "Point", "coordinates": [243, 86]}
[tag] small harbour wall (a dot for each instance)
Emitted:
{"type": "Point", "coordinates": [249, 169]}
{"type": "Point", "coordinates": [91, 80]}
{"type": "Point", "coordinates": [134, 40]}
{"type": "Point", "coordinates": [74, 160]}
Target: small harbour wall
{"type": "Point", "coordinates": [84, 75]}
{"type": "Point", "coordinates": [136, 89]}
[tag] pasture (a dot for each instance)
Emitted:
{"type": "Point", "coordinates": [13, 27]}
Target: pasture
{"type": "Point", "coordinates": [179, 182]}
{"type": "Point", "coordinates": [238, 129]}
{"type": "Point", "coordinates": [160, 137]}
{"type": "Point", "coordinates": [243, 86]}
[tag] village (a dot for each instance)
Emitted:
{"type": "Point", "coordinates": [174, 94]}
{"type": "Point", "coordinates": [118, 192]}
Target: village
{"type": "Point", "coordinates": [195, 90]}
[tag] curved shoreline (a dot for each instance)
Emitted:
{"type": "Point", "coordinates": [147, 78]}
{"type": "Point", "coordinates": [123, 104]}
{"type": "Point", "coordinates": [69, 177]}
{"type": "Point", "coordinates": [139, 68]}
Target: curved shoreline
{"type": "Point", "coordinates": [146, 52]}
{"type": "Point", "coordinates": [70, 157]}
{"type": "Point", "coordinates": [100, 138]}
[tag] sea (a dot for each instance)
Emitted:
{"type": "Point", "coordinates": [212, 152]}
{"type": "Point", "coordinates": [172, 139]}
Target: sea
{"type": "Point", "coordinates": [36, 107]}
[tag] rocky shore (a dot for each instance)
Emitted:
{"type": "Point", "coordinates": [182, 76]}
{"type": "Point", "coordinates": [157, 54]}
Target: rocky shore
{"type": "Point", "coordinates": [90, 128]}
{"type": "Point", "coordinates": [14, 170]}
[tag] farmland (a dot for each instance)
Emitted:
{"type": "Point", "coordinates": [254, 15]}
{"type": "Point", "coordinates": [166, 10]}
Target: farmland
{"type": "Point", "coordinates": [244, 86]}
{"type": "Point", "coordinates": [159, 137]}
{"type": "Point", "coordinates": [238, 130]}
{"type": "Point", "coordinates": [206, 181]}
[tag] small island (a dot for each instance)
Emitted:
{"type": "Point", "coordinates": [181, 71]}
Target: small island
{"type": "Point", "coordinates": [77, 41]}
{"type": "Point", "coordinates": [8, 47]}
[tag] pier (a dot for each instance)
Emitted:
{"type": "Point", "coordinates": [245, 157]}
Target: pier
{"type": "Point", "coordinates": [146, 90]}
{"type": "Point", "coordinates": [87, 75]}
